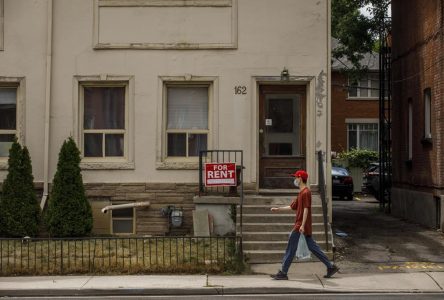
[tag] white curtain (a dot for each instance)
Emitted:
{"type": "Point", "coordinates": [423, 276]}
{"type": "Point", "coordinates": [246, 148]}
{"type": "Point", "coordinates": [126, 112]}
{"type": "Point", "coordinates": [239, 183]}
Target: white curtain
{"type": "Point", "coordinates": [187, 107]}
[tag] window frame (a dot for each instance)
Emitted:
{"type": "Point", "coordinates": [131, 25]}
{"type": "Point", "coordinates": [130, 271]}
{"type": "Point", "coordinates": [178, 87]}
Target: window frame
{"type": "Point", "coordinates": [122, 219]}
{"type": "Point", "coordinates": [360, 122]}
{"type": "Point", "coordinates": [358, 89]}
{"type": "Point", "coordinates": [2, 26]}
{"type": "Point", "coordinates": [187, 132]}
{"type": "Point", "coordinates": [163, 161]}
{"type": "Point", "coordinates": [112, 162]}
{"type": "Point", "coordinates": [410, 129]}
{"type": "Point", "coordinates": [19, 84]}
{"type": "Point", "coordinates": [427, 94]}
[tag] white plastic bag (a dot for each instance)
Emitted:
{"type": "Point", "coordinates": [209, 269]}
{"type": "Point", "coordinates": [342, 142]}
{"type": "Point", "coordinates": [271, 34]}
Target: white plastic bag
{"type": "Point", "coordinates": [302, 252]}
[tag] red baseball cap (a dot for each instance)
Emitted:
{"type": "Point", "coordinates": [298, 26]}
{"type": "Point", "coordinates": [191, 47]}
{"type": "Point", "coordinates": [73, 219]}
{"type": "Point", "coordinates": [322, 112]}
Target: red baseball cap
{"type": "Point", "coordinates": [302, 174]}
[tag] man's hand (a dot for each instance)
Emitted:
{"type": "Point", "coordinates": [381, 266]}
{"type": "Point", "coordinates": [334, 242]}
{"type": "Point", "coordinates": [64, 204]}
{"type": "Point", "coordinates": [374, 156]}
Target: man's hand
{"type": "Point", "coordinates": [274, 208]}
{"type": "Point", "coordinates": [301, 229]}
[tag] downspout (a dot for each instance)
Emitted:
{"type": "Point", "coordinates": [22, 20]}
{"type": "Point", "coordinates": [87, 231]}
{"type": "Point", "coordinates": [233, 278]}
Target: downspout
{"type": "Point", "coordinates": [126, 205]}
{"type": "Point", "coordinates": [47, 105]}
{"type": "Point", "coordinates": [328, 121]}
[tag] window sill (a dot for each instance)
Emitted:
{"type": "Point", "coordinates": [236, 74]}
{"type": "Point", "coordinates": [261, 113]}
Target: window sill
{"type": "Point", "coordinates": [86, 165]}
{"type": "Point", "coordinates": [361, 98]}
{"type": "Point", "coordinates": [427, 141]}
{"type": "Point", "coordinates": [177, 165]}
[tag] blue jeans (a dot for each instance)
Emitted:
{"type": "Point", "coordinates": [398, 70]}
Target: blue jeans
{"type": "Point", "coordinates": [293, 245]}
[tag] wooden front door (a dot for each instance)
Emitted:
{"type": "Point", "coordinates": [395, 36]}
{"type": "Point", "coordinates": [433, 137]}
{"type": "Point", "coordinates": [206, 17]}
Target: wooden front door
{"type": "Point", "coordinates": [282, 115]}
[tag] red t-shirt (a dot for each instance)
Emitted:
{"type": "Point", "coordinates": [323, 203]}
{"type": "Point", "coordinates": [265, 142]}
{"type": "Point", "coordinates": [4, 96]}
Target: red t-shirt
{"type": "Point", "coordinates": [302, 201]}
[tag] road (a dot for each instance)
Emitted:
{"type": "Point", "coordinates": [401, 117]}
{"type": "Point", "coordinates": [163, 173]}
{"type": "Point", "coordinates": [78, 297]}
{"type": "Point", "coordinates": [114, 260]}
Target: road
{"type": "Point", "coordinates": [262, 297]}
{"type": "Point", "coordinates": [378, 242]}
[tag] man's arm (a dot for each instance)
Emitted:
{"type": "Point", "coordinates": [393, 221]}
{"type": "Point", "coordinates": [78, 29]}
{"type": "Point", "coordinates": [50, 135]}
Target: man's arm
{"type": "Point", "coordinates": [304, 219]}
{"type": "Point", "coordinates": [281, 208]}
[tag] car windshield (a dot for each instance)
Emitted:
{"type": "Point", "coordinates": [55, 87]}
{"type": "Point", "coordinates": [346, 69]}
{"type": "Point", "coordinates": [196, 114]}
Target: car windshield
{"type": "Point", "coordinates": [339, 172]}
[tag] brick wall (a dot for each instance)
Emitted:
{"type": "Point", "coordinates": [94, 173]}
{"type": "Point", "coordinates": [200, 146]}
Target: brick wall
{"type": "Point", "coordinates": [417, 65]}
{"type": "Point", "coordinates": [343, 109]}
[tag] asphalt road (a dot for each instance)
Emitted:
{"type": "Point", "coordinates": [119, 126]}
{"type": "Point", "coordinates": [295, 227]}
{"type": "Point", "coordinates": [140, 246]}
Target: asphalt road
{"type": "Point", "coordinates": [268, 297]}
{"type": "Point", "coordinates": [379, 242]}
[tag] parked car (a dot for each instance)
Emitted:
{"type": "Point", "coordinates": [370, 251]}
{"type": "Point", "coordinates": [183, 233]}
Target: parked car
{"type": "Point", "coordinates": [342, 183]}
{"type": "Point", "coordinates": [371, 180]}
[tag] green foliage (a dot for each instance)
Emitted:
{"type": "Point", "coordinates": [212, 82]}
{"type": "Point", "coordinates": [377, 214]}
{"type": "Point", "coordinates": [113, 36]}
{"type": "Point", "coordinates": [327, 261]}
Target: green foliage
{"type": "Point", "coordinates": [19, 209]}
{"type": "Point", "coordinates": [359, 157]}
{"type": "Point", "coordinates": [357, 34]}
{"type": "Point", "coordinates": [69, 212]}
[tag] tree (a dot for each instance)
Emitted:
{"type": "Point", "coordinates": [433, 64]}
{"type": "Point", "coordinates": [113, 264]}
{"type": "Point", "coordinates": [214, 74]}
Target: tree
{"type": "Point", "coordinates": [69, 212]}
{"type": "Point", "coordinates": [357, 34]}
{"type": "Point", "coordinates": [19, 209]}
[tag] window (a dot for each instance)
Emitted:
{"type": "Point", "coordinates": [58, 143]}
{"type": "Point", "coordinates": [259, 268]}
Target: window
{"type": "Point", "coordinates": [104, 121]}
{"type": "Point", "coordinates": [410, 140]}
{"type": "Point", "coordinates": [187, 120]}
{"type": "Point", "coordinates": [366, 87]}
{"type": "Point", "coordinates": [363, 136]}
{"type": "Point", "coordinates": [8, 118]}
{"type": "Point", "coordinates": [123, 220]}
{"type": "Point", "coordinates": [427, 113]}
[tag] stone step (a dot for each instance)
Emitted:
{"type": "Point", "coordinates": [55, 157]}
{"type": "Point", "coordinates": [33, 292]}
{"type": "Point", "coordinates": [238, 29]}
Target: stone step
{"type": "Point", "coordinates": [277, 236]}
{"type": "Point", "coordinates": [264, 209]}
{"type": "Point", "coordinates": [274, 256]}
{"type": "Point", "coordinates": [276, 218]}
{"type": "Point", "coordinates": [275, 227]}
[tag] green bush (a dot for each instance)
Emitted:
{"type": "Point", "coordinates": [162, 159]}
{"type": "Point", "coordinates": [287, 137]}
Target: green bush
{"type": "Point", "coordinates": [359, 158]}
{"type": "Point", "coordinates": [19, 210]}
{"type": "Point", "coordinates": [69, 212]}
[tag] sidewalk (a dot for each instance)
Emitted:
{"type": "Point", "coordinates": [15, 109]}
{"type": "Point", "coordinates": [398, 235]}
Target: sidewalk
{"type": "Point", "coordinates": [303, 281]}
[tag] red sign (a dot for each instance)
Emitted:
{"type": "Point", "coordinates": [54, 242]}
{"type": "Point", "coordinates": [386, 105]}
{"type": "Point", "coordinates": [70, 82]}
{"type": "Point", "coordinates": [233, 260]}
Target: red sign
{"type": "Point", "coordinates": [220, 174]}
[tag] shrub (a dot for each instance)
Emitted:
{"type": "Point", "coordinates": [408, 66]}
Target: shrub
{"type": "Point", "coordinates": [19, 209]}
{"type": "Point", "coordinates": [69, 212]}
{"type": "Point", "coordinates": [359, 157]}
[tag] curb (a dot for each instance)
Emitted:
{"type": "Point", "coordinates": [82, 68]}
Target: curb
{"type": "Point", "coordinates": [211, 290]}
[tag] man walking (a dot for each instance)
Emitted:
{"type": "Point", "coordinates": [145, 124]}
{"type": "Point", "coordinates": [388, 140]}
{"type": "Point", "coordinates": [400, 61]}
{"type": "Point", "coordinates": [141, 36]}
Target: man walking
{"type": "Point", "coordinates": [302, 206]}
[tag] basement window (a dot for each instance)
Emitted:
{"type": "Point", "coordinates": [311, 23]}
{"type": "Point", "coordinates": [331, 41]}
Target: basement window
{"type": "Point", "coordinates": [123, 220]}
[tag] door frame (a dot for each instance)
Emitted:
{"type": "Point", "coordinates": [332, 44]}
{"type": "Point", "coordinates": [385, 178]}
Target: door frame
{"type": "Point", "coordinates": [310, 83]}
{"type": "Point", "coordinates": [268, 162]}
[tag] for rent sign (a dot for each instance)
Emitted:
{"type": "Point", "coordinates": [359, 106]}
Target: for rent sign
{"type": "Point", "coordinates": [220, 174]}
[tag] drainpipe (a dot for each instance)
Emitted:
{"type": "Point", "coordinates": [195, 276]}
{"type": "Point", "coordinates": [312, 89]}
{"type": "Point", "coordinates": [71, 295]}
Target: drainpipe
{"type": "Point", "coordinates": [126, 205]}
{"type": "Point", "coordinates": [47, 104]}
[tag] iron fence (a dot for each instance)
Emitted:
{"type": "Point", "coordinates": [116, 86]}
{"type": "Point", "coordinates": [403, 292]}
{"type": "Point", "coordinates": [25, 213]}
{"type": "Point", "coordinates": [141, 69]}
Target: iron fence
{"type": "Point", "coordinates": [45, 256]}
{"type": "Point", "coordinates": [225, 156]}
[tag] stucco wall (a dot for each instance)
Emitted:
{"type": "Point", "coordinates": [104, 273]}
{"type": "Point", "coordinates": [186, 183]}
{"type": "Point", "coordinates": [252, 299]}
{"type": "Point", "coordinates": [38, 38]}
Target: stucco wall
{"type": "Point", "coordinates": [270, 35]}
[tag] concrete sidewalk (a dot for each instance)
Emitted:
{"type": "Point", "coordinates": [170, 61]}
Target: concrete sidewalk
{"type": "Point", "coordinates": [420, 282]}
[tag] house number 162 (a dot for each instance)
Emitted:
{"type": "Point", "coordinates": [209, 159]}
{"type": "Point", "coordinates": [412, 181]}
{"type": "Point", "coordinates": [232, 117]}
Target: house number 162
{"type": "Point", "coordinates": [240, 90]}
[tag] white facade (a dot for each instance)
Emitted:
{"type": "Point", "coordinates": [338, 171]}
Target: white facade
{"type": "Point", "coordinates": [53, 49]}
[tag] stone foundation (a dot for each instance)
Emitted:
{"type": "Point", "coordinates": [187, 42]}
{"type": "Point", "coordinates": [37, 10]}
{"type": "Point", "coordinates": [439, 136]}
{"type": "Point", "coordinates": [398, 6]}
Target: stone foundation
{"type": "Point", "coordinates": [419, 207]}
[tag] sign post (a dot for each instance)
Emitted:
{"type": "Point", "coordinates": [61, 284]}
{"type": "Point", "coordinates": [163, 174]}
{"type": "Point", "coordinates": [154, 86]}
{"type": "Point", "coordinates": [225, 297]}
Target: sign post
{"type": "Point", "coordinates": [220, 174]}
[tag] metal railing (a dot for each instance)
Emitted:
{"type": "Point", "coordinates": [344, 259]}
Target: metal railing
{"type": "Point", "coordinates": [99, 255]}
{"type": "Point", "coordinates": [323, 196]}
{"type": "Point", "coordinates": [225, 156]}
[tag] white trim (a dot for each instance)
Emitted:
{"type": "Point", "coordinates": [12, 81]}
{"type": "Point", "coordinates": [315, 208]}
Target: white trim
{"type": "Point", "coordinates": [364, 121]}
{"type": "Point", "coordinates": [358, 131]}
{"type": "Point", "coordinates": [410, 130]}
{"type": "Point", "coordinates": [126, 162]}
{"type": "Point", "coordinates": [185, 163]}
{"type": "Point", "coordinates": [428, 113]}
{"type": "Point", "coordinates": [359, 88]}
{"type": "Point", "coordinates": [2, 26]}
{"type": "Point", "coordinates": [20, 84]}
{"type": "Point", "coordinates": [233, 44]}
